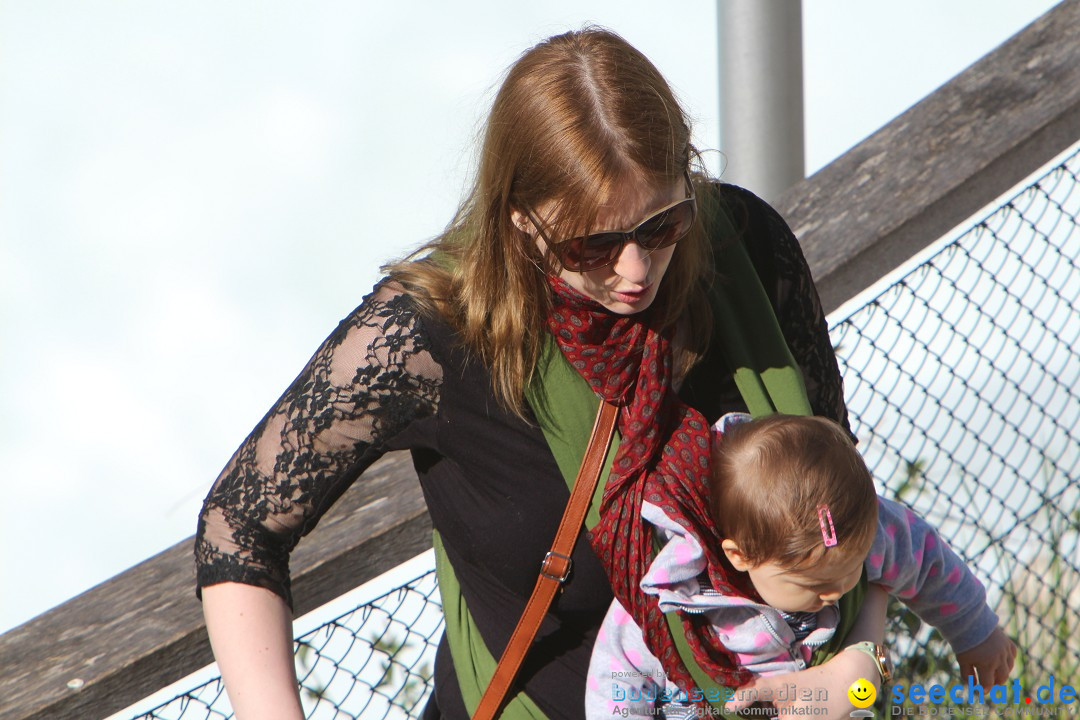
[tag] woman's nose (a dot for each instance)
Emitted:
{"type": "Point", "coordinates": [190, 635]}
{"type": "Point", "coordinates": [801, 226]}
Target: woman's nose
{"type": "Point", "coordinates": [633, 263]}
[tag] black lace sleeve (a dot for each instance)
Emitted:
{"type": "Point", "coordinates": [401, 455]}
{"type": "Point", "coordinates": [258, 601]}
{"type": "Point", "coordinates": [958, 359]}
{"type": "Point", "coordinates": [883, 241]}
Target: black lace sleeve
{"type": "Point", "coordinates": [372, 377]}
{"type": "Point", "coordinates": [783, 271]}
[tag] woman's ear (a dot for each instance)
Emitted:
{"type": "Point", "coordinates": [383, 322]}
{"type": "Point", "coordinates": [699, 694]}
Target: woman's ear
{"type": "Point", "coordinates": [520, 221]}
{"type": "Point", "coordinates": [734, 555]}
{"type": "Point", "coordinates": [524, 224]}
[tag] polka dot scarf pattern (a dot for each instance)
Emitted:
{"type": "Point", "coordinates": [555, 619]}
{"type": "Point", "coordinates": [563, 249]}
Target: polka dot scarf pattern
{"type": "Point", "coordinates": [663, 457]}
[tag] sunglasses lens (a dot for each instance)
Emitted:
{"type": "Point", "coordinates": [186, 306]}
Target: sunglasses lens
{"type": "Point", "coordinates": [666, 228]}
{"type": "Point", "coordinates": [588, 253]}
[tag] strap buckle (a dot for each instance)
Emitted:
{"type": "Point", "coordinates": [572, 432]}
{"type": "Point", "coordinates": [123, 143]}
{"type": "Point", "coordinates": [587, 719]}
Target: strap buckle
{"type": "Point", "coordinates": [550, 568]}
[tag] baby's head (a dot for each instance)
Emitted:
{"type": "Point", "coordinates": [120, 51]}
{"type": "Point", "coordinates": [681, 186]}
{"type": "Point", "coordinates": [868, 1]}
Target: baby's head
{"type": "Point", "coordinates": [795, 506]}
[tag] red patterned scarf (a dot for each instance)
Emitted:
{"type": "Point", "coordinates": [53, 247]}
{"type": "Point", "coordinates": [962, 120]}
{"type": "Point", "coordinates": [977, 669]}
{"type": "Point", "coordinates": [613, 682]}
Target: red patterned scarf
{"type": "Point", "coordinates": [663, 458]}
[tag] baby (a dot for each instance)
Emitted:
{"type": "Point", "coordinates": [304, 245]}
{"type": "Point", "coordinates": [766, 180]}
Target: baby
{"type": "Point", "coordinates": [797, 512]}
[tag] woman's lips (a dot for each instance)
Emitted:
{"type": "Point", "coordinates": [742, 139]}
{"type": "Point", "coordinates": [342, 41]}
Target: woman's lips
{"type": "Point", "coordinates": [631, 296]}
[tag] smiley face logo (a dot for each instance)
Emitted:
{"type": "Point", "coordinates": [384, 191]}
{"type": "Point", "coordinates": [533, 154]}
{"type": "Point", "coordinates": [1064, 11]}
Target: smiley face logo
{"type": "Point", "coordinates": [861, 693]}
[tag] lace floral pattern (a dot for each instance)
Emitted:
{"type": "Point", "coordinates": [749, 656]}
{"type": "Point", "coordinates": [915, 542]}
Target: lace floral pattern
{"type": "Point", "coordinates": [368, 380]}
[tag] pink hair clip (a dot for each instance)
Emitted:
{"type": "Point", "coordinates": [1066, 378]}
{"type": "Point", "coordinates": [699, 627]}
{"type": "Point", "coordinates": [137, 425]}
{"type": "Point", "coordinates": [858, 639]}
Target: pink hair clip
{"type": "Point", "coordinates": [828, 533]}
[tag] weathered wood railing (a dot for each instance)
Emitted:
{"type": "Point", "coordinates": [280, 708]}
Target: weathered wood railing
{"type": "Point", "coordinates": [858, 218]}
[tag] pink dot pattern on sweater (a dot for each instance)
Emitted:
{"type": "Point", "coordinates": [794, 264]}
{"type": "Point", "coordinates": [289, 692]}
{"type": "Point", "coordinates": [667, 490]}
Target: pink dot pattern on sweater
{"type": "Point", "coordinates": [683, 553]}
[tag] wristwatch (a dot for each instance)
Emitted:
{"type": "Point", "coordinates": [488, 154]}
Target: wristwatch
{"type": "Point", "coordinates": [879, 654]}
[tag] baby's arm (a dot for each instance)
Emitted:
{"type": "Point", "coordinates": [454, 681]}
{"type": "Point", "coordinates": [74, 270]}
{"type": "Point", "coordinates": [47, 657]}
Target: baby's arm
{"type": "Point", "coordinates": [912, 561]}
{"type": "Point", "coordinates": [622, 671]}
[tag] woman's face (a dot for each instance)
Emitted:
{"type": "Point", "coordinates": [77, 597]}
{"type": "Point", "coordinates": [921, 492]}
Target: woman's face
{"type": "Point", "coordinates": [628, 285]}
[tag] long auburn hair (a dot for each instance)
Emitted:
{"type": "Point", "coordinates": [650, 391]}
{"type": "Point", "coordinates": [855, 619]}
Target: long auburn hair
{"type": "Point", "coordinates": [578, 117]}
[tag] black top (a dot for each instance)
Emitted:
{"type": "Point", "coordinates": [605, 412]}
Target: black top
{"type": "Point", "coordinates": [388, 378]}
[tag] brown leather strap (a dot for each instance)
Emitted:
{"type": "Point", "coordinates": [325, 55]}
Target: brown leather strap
{"type": "Point", "coordinates": [556, 565]}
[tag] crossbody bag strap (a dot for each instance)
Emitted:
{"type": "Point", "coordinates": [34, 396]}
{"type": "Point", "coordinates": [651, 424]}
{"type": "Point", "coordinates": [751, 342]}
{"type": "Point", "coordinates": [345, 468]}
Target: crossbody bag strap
{"type": "Point", "coordinates": [556, 565]}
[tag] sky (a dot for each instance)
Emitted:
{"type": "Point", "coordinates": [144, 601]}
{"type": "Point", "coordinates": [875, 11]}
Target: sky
{"type": "Point", "coordinates": [192, 195]}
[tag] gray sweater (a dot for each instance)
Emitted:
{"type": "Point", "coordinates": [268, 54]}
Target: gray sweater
{"type": "Point", "coordinates": [907, 557]}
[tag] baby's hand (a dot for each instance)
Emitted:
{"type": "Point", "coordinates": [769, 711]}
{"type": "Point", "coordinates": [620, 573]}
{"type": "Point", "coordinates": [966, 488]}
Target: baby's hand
{"type": "Point", "coordinates": [992, 660]}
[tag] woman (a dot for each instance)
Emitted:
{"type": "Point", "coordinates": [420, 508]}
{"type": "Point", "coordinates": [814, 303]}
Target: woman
{"type": "Point", "coordinates": [586, 243]}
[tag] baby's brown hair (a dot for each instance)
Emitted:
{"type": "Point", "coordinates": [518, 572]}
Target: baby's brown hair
{"type": "Point", "coordinates": [769, 477]}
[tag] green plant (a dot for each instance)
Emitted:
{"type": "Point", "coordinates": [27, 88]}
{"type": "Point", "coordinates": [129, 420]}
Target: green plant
{"type": "Point", "coordinates": [310, 688]}
{"type": "Point", "coordinates": [1040, 598]}
{"type": "Point", "coordinates": [410, 682]}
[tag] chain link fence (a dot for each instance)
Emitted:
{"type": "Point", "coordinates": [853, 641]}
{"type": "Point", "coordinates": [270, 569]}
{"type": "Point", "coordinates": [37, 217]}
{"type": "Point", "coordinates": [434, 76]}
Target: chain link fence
{"type": "Point", "coordinates": [962, 380]}
{"type": "Point", "coordinates": [374, 661]}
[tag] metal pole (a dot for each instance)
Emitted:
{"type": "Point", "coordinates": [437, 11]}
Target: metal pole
{"type": "Point", "coordinates": [761, 94]}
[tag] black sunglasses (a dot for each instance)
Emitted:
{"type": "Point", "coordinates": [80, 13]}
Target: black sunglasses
{"type": "Point", "coordinates": [666, 227]}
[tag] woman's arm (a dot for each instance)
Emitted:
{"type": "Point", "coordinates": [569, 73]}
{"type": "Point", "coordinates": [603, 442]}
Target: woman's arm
{"type": "Point", "coordinates": [251, 633]}
{"type": "Point", "coordinates": [827, 683]}
{"type": "Point", "coordinates": [370, 380]}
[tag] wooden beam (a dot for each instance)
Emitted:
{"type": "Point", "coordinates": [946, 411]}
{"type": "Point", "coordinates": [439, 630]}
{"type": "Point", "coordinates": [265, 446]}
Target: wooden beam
{"type": "Point", "coordinates": [142, 630]}
{"type": "Point", "coordinates": [941, 161]}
